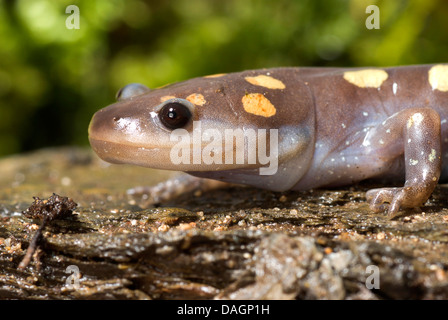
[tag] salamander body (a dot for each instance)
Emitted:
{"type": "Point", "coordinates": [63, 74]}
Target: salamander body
{"type": "Point", "coordinates": [290, 128]}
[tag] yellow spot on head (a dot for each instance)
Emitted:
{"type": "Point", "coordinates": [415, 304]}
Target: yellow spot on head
{"type": "Point", "coordinates": [215, 75]}
{"type": "Point", "coordinates": [258, 104]}
{"type": "Point", "coordinates": [438, 77]}
{"type": "Point", "coordinates": [197, 99]}
{"type": "Point", "coordinates": [164, 98]}
{"type": "Point", "coordinates": [266, 81]}
{"type": "Point", "coordinates": [368, 78]}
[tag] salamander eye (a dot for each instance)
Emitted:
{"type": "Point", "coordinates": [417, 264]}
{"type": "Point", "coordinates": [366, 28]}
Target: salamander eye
{"type": "Point", "coordinates": [131, 90]}
{"type": "Point", "coordinates": [174, 115]}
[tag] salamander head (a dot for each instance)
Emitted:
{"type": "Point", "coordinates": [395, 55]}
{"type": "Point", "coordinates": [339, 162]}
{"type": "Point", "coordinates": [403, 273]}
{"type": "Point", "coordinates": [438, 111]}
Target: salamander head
{"type": "Point", "coordinates": [186, 126]}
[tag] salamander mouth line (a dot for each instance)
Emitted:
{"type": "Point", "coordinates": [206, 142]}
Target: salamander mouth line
{"type": "Point", "coordinates": [116, 152]}
{"type": "Point", "coordinates": [101, 143]}
{"type": "Point", "coordinates": [139, 146]}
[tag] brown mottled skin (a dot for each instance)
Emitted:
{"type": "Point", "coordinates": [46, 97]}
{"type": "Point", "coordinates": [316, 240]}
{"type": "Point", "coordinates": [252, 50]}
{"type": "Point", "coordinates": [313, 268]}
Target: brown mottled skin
{"type": "Point", "coordinates": [331, 132]}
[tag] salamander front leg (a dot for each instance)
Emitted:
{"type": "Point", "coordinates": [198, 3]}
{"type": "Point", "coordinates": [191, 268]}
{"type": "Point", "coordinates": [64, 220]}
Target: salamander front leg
{"type": "Point", "coordinates": [419, 131]}
{"type": "Point", "coordinates": [174, 187]}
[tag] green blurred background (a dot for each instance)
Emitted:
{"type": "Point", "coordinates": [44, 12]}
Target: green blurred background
{"type": "Point", "coordinates": [53, 79]}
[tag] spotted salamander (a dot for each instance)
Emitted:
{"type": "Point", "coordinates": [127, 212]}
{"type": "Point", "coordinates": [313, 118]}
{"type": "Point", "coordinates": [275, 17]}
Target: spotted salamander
{"type": "Point", "coordinates": [330, 127]}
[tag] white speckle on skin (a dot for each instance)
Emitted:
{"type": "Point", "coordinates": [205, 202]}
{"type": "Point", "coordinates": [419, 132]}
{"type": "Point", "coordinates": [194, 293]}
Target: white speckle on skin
{"type": "Point", "coordinates": [129, 126]}
{"type": "Point", "coordinates": [416, 119]}
{"type": "Point", "coordinates": [153, 114]}
{"type": "Point", "coordinates": [381, 141]}
{"type": "Point", "coordinates": [343, 125]}
{"type": "Point", "coordinates": [365, 114]}
{"type": "Point", "coordinates": [394, 88]}
{"type": "Point", "coordinates": [432, 156]}
{"type": "Point", "coordinates": [388, 131]}
{"type": "Point", "coordinates": [366, 143]}
{"type": "Point", "coordinates": [332, 159]}
{"type": "Point", "coordinates": [409, 140]}
{"type": "Point", "coordinates": [443, 121]}
{"type": "Point", "coordinates": [413, 162]}
{"type": "Point", "coordinates": [347, 143]}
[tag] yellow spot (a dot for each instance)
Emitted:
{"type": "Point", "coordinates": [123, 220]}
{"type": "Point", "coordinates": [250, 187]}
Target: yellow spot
{"type": "Point", "coordinates": [215, 75]}
{"type": "Point", "coordinates": [266, 81]}
{"type": "Point", "coordinates": [197, 99]}
{"type": "Point", "coordinates": [258, 104]}
{"type": "Point", "coordinates": [432, 156]}
{"type": "Point", "coordinates": [164, 98]}
{"type": "Point", "coordinates": [368, 78]}
{"type": "Point", "coordinates": [438, 77]}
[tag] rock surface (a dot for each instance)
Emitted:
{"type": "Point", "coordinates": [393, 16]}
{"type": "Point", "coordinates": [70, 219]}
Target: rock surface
{"type": "Point", "coordinates": [232, 243]}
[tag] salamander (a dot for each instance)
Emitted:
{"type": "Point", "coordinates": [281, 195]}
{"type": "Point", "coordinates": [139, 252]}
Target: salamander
{"type": "Point", "coordinates": [290, 128]}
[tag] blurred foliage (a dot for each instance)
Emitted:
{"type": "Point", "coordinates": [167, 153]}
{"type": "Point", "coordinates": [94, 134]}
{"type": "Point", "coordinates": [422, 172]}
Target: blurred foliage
{"type": "Point", "coordinates": [52, 79]}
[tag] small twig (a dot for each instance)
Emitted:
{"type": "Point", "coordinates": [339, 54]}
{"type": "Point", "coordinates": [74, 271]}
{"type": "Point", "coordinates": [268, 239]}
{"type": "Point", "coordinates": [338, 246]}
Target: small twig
{"type": "Point", "coordinates": [33, 245]}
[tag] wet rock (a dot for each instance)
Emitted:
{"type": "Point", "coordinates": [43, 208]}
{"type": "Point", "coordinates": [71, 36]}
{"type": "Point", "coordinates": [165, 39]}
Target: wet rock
{"type": "Point", "coordinates": [231, 243]}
